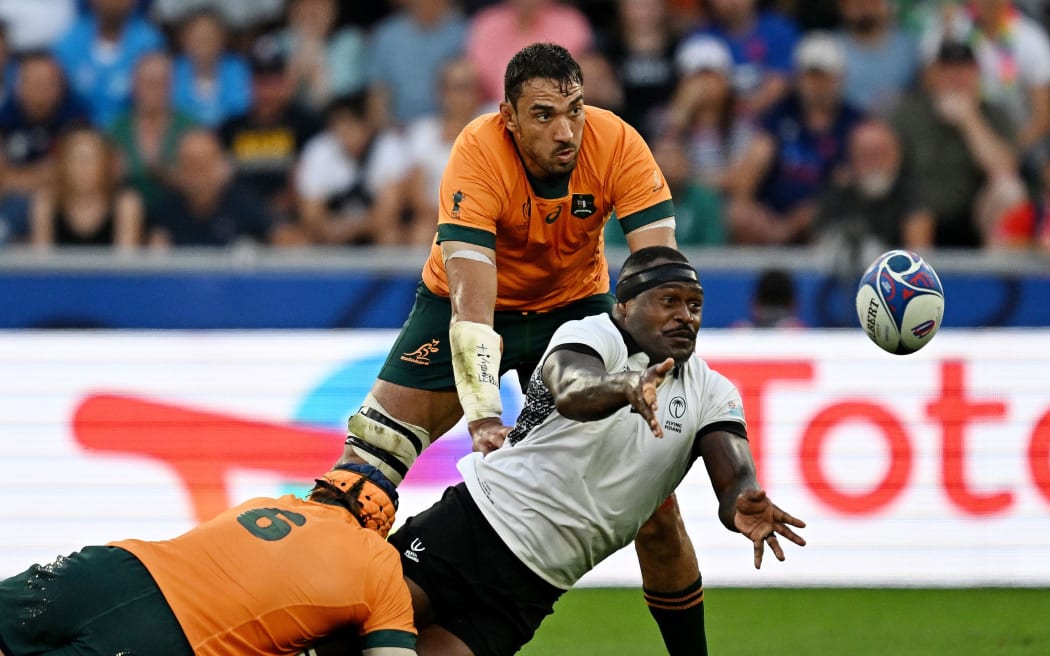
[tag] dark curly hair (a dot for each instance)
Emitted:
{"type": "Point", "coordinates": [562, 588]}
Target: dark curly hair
{"type": "Point", "coordinates": [546, 61]}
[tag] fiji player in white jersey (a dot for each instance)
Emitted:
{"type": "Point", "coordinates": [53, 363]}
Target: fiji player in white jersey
{"type": "Point", "coordinates": [616, 414]}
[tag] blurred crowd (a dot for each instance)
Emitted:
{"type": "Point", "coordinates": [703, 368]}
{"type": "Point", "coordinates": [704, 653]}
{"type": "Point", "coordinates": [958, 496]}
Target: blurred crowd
{"type": "Point", "coordinates": [851, 123]}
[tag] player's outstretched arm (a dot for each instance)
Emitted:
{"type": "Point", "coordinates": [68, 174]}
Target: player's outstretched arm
{"type": "Point", "coordinates": [584, 391]}
{"type": "Point", "coordinates": [742, 504]}
{"type": "Point", "coordinates": [476, 347]}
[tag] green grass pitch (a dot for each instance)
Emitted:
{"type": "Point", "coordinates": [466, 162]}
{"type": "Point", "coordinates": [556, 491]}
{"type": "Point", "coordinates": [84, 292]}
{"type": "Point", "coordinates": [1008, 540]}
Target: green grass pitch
{"type": "Point", "coordinates": [811, 621]}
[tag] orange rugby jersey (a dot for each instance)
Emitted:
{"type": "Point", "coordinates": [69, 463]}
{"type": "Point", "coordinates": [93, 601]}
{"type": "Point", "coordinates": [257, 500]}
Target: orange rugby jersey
{"type": "Point", "coordinates": [547, 237]}
{"type": "Point", "coordinates": [272, 575]}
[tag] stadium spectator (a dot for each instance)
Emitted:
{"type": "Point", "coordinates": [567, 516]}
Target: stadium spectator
{"type": "Point", "coordinates": [641, 49]}
{"type": "Point", "coordinates": [429, 143]}
{"type": "Point", "coordinates": [882, 59]}
{"type": "Point", "coordinates": [1013, 56]}
{"type": "Point", "coordinates": [800, 143]}
{"type": "Point", "coordinates": [14, 212]}
{"type": "Point", "coordinates": [507, 179]}
{"type": "Point", "coordinates": [699, 215]}
{"type": "Point", "coordinates": [498, 32]}
{"type": "Point", "coordinates": [148, 135]}
{"type": "Point", "coordinates": [962, 149]}
{"type": "Point", "coordinates": [283, 585]}
{"type": "Point", "coordinates": [603, 87]}
{"type": "Point", "coordinates": [266, 141]}
{"type": "Point", "coordinates": [99, 54]}
{"type": "Point", "coordinates": [32, 120]}
{"type": "Point", "coordinates": [878, 201]}
{"type": "Point", "coordinates": [36, 24]}
{"type": "Point", "coordinates": [205, 206]}
{"type": "Point", "coordinates": [761, 43]}
{"type": "Point", "coordinates": [407, 51]}
{"type": "Point", "coordinates": [774, 303]}
{"type": "Point", "coordinates": [8, 67]}
{"type": "Point", "coordinates": [242, 16]}
{"type": "Point", "coordinates": [210, 84]}
{"type": "Point", "coordinates": [325, 61]}
{"type": "Point", "coordinates": [603, 380]}
{"type": "Point", "coordinates": [350, 180]}
{"type": "Point", "coordinates": [85, 205]}
{"type": "Point", "coordinates": [703, 112]}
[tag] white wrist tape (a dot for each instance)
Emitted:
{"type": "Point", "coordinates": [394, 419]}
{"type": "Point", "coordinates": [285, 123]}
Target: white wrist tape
{"type": "Point", "coordinates": [475, 351]}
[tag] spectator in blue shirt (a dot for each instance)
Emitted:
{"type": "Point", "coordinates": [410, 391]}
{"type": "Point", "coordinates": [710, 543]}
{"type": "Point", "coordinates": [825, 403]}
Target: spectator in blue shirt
{"type": "Point", "coordinates": [761, 43]}
{"type": "Point", "coordinates": [324, 60]}
{"type": "Point", "coordinates": [800, 143]}
{"type": "Point", "coordinates": [882, 59]}
{"type": "Point", "coordinates": [408, 50]}
{"type": "Point", "coordinates": [99, 54]}
{"type": "Point", "coordinates": [210, 84]}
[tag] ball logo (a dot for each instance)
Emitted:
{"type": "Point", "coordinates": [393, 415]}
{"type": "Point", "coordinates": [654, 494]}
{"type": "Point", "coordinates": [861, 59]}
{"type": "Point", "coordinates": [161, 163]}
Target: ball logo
{"type": "Point", "coordinates": [923, 329]}
{"type": "Point", "coordinates": [873, 313]}
{"type": "Point", "coordinates": [677, 407]}
{"type": "Point", "coordinates": [888, 288]}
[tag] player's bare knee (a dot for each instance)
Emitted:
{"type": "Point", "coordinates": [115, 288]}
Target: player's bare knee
{"type": "Point", "coordinates": [386, 443]}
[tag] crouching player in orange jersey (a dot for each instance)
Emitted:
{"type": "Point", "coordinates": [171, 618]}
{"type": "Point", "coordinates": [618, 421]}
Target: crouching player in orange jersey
{"type": "Point", "coordinates": [519, 251]}
{"type": "Point", "coordinates": [269, 576]}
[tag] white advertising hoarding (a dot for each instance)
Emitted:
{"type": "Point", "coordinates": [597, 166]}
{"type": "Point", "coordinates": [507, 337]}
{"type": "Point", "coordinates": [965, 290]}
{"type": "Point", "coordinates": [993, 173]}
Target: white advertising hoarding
{"type": "Point", "coordinates": [929, 469]}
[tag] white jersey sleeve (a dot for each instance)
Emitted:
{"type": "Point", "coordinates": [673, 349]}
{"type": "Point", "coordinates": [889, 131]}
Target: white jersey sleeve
{"type": "Point", "coordinates": [721, 401]}
{"type": "Point", "coordinates": [598, 333]}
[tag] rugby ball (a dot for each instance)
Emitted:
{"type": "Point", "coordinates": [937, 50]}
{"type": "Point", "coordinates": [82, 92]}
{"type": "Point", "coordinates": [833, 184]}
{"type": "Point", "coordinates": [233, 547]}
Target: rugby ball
{"type": "Point", "coordinates": [900, 302]}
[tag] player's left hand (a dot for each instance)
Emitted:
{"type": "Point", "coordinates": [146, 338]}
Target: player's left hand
{"type": "Point", "coordinates": [487, 434]}
{"type": "Point", "coordinates": [760, 520]}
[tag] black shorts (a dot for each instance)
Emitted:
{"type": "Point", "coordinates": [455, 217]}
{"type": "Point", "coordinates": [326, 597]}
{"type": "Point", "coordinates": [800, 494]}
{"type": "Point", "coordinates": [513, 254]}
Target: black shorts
{"type": "Point", "coordinates": [420, 357]}
{"type": "Point", "coordinates": [480, 591]}
{"type": "Point", "coordinates": [99, 600]}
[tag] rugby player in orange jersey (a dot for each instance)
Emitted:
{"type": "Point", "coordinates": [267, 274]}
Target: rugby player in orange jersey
{"type": "Point", "coordinates": [519, 251]}
{"type": "Point", "coordinates": [267, 577]}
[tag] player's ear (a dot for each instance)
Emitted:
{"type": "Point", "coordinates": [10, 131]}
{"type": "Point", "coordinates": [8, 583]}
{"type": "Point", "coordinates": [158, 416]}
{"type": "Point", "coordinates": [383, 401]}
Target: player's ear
{"type": "Point", "coordinates": [506, 111]}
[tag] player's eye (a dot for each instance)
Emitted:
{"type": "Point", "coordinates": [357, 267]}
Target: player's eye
{"type": "Point", "coordinates": [543, 118]}
{"type": "Point", "coordinates": [576, 111]}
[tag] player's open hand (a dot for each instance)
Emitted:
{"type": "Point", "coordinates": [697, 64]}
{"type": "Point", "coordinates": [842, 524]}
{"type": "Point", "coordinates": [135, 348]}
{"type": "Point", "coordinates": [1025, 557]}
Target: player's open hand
{"type": "Point", "coordinates": [487, 434]}
{"type": "Point", "coordinates": [642, 395]}
{"type": "Point", "coordinates": [760, 520]}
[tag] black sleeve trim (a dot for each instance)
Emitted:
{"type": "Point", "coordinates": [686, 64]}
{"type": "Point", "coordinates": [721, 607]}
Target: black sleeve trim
{"type": "Point", "coordinates": [582, 349]}
{"type": "Point", "coordinates": [734, 427]}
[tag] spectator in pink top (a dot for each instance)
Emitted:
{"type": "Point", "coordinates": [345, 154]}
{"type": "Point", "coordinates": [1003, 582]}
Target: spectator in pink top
{"type": "Point", "coordinates": [499, 31]}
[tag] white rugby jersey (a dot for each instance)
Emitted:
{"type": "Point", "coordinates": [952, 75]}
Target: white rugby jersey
{"type": "Point", "coordinates": [566, 494]}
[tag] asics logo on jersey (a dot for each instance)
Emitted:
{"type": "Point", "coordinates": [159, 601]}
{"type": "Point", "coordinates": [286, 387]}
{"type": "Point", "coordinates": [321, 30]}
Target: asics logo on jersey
{"type": "Point", "coordinates": [422, 354]}
{"type": "Point", "coordinates": [414, 549]}
{"type": "Point", "coordinates": [553, 216]}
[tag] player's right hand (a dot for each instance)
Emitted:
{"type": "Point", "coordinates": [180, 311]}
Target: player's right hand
{"type": "Point", "coordinates": [642, 395]}
{"type": "Point", "coordinates": [487, 434]}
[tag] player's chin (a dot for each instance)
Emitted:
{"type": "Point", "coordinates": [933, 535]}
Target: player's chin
{"type": "Point", "coordinates": [680, 349]}
{"type": "Point", "coordinates": [559, 166]}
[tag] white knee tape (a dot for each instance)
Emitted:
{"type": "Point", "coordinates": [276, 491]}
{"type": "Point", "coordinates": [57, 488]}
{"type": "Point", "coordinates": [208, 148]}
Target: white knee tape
{"type": "Point", "coordinates": [387, 444]}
